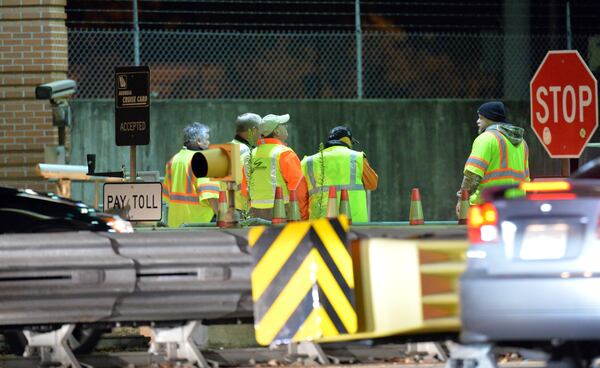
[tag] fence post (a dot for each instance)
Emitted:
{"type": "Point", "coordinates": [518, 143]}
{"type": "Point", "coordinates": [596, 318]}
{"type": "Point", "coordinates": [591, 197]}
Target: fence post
{"type": "Point", "coordinates": [136, 61]}
{"type": "Point", "coordinates": [517, 46]}
{"type": "Point", "coordinates": [136, 35]}
{"type": "Point", "coordinates": [359, 66]}
{"type": "Point", "coordinates": [569, 165]}
{"type": "Point", "coordinates": [569, 34]}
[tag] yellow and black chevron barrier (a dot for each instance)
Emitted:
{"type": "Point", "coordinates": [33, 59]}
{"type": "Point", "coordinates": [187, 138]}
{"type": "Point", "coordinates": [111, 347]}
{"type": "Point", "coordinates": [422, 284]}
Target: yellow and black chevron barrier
{"type": "Point", "coordinates": [302, 281]}
{"type": "Point", "coordinates": [406, 287]}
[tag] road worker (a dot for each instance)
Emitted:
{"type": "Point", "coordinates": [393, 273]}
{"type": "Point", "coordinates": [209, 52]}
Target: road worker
{"type": "Point", "coordinates": [499, 156]}
{"type": "Point", "coordinates": [246, 135]}
{"type": "Point", "coordinates": [273, 164]}
{"type": "Point", "coordinates": [246, 131]}
{"type": "Point", "coordinates": [341, 166]}
{"type": "Point", "coordinates": [190, 199]}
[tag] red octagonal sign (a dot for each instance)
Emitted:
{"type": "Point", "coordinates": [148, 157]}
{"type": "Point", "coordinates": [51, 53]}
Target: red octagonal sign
{"type": "Point", "coordinates": [564, 104]}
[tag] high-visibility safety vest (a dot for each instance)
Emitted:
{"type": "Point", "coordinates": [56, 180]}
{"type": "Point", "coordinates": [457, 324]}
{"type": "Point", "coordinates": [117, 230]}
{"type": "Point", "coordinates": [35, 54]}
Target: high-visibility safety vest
{"type": "Point", "coordinates": [497, 161]}
{"type": "Point", "coordinates": [263, 175]}
{"type": "Point", "coordinates": [185, 194]}
{"type": "Point", "coordinates": [342, 168]}
{"type": "Point", "coordinates": [241, 203]}
{"type": "Point", "coordinates": [243, 146]}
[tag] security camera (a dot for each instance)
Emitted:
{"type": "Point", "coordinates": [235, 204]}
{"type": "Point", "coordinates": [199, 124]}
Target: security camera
{"type": "Point", "coordinates": [54, 90]}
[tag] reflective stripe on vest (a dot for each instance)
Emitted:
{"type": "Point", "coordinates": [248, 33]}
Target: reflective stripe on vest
{"type": "Point", "coordinates": [189, 184]}
{"type": "Point", "coordinates": [245, 159]}
{"type": "Point", "coordinates": [241, 202]}
{"type": "Point", "coordinates": [183, 198]}
{"type": "Point", "coordinates": [478, 162]}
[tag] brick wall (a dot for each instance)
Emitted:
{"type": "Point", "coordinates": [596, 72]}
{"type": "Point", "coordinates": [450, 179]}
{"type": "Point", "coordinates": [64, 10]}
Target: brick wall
{"type": "Point", "coordinates": [33, 50]}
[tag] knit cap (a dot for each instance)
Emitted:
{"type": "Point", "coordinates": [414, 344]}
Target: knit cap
{"type": "Point", "coordinates": [493, 110]}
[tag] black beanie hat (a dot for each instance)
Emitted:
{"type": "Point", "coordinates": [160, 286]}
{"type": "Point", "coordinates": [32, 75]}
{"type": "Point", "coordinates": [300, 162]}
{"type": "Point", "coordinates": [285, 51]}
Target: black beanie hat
{"type": "Point", "coordinates": [493, 110]}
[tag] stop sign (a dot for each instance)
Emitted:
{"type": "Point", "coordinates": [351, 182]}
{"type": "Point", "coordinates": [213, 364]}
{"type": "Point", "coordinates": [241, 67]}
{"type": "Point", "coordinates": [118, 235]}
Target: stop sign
{"type": "Point", "coordinates": [564, 104]}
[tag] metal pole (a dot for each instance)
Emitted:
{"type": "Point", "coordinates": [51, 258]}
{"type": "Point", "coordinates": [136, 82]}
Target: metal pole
{"type": "Point", "coordinates": [567, 164]}
{"type": "Point", "coordinates": [359, 67]}
{"type": "Point", "coordinates": [569, 34]}
{"type": "Point", "coordinates": [565, 167]}
{"type": "Point", "coordinates": [136, 61]}
{"type": "Point", "coordinates": [132, 161]}
{"type": "Point", "coordinates": [136, 35]}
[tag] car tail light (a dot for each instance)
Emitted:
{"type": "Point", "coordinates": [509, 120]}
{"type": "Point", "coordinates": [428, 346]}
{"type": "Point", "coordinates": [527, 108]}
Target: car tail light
{"type": "Point", "coordinates": [551, 196]}
{"type": "Point", "coordinates": [545, 186]}
{"type": "Point", "coordinates": [482, 223]}
{"type": "Point", "coordinates": [548, 190]}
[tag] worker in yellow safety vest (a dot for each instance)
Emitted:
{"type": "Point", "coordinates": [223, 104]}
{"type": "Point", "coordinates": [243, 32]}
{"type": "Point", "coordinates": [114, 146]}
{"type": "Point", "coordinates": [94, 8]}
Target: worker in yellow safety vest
{"type": "Point", "coordinates": [246, 131]}
{"type": "Point", "coordinates": [246, 135]}
{"type": "Point", "coordinates": [340, 166]}
{"type": "Point", "coordinates": [273, 164]}
{"type": "Point", "coordinates": [190, 199]}
{"type": "Point", "coordinates": [499, 156]}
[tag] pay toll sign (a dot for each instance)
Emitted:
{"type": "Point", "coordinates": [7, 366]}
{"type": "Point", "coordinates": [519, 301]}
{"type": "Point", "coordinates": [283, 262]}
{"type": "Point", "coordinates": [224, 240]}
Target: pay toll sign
{"type": "Point", "coordinates": [136, 201]}
{"type": "Point", "coordinates": [132, 106]}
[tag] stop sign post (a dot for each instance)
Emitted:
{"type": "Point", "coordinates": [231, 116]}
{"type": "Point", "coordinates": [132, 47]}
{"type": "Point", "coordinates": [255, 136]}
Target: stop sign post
{"type": "Point", "coordinates": [564, 104]}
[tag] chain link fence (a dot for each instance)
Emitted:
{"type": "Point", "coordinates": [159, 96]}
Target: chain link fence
{"type": "Point", "coordinates": [317, 65]}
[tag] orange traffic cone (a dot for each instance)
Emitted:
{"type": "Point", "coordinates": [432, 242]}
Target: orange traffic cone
{"type": "Point", "coordinates": [279, 216]}
{"type": "Point", "coordinates": [463, 210]}
{"type": "Point", "coordinates": [222, 210]}
{"type": "Point", "coordinates": [345, 205]}
{"type": "Point", "coordinates": [294, 208]}
{"type": "Point", "coordinates": [415, 216]}
{"type": "Point", "coordinates": [332, 205]}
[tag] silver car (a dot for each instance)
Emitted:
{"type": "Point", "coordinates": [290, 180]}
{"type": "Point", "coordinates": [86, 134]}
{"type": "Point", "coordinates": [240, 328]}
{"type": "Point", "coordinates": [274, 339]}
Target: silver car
{"type": "Point", "coordinates": [533, 265]}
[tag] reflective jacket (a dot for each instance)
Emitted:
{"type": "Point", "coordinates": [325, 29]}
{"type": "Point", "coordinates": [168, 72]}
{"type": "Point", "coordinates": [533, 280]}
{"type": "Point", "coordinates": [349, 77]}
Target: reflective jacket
{"type": "Point", "coordinates": [266, 175]}
{"type": "Point", "coordinates": [273, 164]}
{"type": "Point", "coordinates": [186, 195]}
{"type": "Point", "coordinates": [244, 148]}
{"type": "Point", "coordinates": [342, 168]}
{"type": "Point", "coordinates": [499, 156]}
{"type": "Point", "coordinates": [241, 202]}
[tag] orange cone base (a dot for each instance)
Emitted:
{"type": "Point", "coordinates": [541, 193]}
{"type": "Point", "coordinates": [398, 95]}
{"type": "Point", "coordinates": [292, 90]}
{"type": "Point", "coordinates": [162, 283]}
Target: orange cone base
{"type": "Point", "coordinates": [277, 221]}
{"type": "Point", "coordinates": [227, 224]}
{"type": "Point", "coordinates": [416, 222]}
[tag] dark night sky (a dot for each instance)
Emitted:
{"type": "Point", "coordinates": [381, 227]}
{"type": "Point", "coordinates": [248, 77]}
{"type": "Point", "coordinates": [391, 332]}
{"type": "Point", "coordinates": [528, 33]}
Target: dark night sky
{"type": "Point", "coordinates": [331, 15]}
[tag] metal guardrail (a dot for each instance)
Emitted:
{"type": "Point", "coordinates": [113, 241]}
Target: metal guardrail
{"type": "Point", "coordinates": [89, 277]}
{"type": "Point", "coordinates": [153, 275]}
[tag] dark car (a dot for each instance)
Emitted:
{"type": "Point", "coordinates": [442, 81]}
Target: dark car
{"type": "Point", "coordinates": [533, 265]}
{"type": "Point", "coordinates": [27, 211]}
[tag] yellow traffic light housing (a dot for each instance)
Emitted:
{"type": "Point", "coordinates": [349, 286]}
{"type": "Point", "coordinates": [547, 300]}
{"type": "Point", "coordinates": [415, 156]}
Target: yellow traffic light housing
{"type": "Point", "coordinates": [219, 162]}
